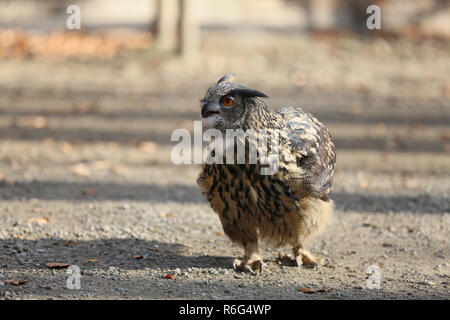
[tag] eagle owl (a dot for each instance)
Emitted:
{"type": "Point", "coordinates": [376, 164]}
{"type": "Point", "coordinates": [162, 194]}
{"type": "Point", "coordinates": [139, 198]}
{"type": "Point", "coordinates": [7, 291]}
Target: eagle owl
{"type": "Point", "coordinates": [286, 207]}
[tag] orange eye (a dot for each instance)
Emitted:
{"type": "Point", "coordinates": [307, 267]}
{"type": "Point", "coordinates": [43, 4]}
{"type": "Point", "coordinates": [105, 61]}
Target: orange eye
{"type": "Point", "coordinates": [227, 101]}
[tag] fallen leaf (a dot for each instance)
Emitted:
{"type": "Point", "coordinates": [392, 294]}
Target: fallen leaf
{"type": "Point", "coordinates": [89, 192]}
{"type": "Point", "coordinates": [73, 243]}
{"type": "Point", "coordinates": [308, 290]}
{"type": "Point", "coordinates": [57, 265]}
{"type": "Point", "coordinates": [93, 260]}
{"type": "Point", "coordinates": [138, 256]}
{"type": "Point", "coordinates": [43, 220]}
{"type": "Point", "coordinates": [170, 277]}
{"type": "Point", "coordinates": [15, 282]}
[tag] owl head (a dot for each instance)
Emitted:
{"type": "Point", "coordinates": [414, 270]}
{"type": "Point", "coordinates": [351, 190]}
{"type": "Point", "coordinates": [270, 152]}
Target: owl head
{"type": "Point", "coordinates": [227, 105]}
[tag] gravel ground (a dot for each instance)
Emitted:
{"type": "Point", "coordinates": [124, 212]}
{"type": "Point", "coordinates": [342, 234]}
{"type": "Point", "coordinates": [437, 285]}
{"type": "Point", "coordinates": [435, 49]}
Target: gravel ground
{"type": "Point", "coordinates": [86, 177]}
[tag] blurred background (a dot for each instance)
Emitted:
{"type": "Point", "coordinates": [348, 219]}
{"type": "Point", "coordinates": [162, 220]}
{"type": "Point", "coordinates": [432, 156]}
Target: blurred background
{"type": "Point", "coordinates": [136, 69]}
{"type": "Point", "coordinates": [86, 115]}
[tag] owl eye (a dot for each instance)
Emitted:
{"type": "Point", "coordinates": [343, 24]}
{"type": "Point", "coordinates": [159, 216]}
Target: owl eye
{"type": "Point", "coordinates": [227, 101]}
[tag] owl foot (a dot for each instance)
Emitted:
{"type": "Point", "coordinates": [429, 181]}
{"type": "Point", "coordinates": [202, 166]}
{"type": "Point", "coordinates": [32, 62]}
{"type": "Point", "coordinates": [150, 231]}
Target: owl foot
{"type": "Point", "coordinates": [250, 266]}
{"type": "Point", "coordinates": [303, 257]}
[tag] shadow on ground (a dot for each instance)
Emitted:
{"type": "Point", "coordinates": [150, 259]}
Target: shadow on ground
{"type": "Point", "coordinates": [105, 252]}
{"type": "Point", "coordinates": [361, 202]}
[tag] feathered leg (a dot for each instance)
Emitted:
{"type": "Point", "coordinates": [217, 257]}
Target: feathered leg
{"type": "Point", "coordinates": [323, 210]}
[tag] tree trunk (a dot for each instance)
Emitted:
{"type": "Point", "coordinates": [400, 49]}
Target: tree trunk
{"type": "Point", "coordinates": [190, 29]}
{"type": "Point", "coordinates": [167, 25]}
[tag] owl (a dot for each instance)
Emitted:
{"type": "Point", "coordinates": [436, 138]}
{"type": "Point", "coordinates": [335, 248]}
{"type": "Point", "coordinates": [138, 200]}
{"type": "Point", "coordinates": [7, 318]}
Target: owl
{"type": "Point", "coordinates": [286, 207]}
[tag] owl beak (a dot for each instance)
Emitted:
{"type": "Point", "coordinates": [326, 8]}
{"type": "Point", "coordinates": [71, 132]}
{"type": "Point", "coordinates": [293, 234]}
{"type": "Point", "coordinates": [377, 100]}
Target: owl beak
{"type": "Point", "coordinates": [208, 110]}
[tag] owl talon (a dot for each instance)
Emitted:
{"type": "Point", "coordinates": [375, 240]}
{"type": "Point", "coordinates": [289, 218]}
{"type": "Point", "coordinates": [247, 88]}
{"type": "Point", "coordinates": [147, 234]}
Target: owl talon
{"type": "Point", "coordinates": [247, 266]}
{"type": "Point", "coordinates": [249, 269]}
{"type": "Point", "coordinates": [305, 258]}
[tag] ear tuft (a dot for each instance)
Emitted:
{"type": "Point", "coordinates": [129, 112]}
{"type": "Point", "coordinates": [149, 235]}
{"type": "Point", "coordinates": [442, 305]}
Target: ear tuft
{"type": "Point", "coordinates": [226, 78]}
{"type": "Point", "coordinates": [249, 93]}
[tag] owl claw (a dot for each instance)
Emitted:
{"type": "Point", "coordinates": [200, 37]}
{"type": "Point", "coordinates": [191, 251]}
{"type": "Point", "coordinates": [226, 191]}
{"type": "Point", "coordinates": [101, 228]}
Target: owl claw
{"type": "Point", "coordinates": [305, 258]}
{"type": "Point", "coordinates": [248, 267]}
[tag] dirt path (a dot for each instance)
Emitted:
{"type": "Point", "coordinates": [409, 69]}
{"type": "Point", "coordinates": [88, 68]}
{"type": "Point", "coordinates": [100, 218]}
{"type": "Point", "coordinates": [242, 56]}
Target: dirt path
{"type": "Point", "coordinates": [71, 151]}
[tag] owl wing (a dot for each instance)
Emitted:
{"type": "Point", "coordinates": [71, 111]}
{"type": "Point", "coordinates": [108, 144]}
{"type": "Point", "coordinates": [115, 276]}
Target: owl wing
{"type": "Point", "coordinates": [312, 146]}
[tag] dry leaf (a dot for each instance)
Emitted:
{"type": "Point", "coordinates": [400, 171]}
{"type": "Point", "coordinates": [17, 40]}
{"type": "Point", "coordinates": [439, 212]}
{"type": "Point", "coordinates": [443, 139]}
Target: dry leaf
{"type": "Point", "coordinates": [89, 192]}
{"type": "Point", "coordinates": [74, 243]}
{"type": "Point", "coordinates": [21, 44]}
{"type": "Point", "coordinates": [93, 260]}
{"type": "Point", "coordinates": [170, 276]}
{"type": "Point", "coordinates": [43, 220]}
{"type": "Point", "coordinates": [15, 282]}
{"type": "Point", "coordinates": [57, 265]}
{"type": "Point", "coordinates": [138, 256]}
{"type": "Point", "coordinates": [308, 290]}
